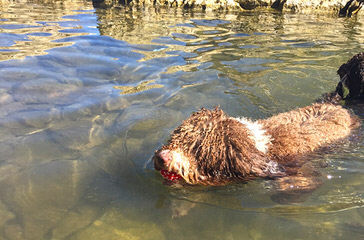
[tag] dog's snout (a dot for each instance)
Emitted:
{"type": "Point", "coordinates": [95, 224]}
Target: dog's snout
{"type": "Point", "coordinates": [166, 156]}
{"type": "Point", "coordinates": [162, 159]}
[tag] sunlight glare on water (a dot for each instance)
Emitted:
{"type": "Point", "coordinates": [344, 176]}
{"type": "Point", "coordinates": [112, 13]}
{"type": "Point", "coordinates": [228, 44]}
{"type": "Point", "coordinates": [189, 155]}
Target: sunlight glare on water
{"type": "Point", "coordinates": [87, 94]}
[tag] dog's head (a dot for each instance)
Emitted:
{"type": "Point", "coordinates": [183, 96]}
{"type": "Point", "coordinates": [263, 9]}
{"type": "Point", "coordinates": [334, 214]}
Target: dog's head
{"type": "Point", "coordinates": [352, 76]}
{"type": "Point", "coordinates": [211, 148]}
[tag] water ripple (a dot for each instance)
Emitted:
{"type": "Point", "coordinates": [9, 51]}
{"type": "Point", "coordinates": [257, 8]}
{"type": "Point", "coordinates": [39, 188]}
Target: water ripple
{"type": "Point", "coordinates": [87, 95]}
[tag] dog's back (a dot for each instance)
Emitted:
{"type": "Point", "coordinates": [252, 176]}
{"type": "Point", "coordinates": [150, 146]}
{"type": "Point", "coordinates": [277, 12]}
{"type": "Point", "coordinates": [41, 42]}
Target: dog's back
{"type": "Point", "coordinates": [305, 130]}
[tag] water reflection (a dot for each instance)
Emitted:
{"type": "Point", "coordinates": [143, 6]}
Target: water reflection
{"type": "Point", "coordinates": [219, 35]}
{"type": "Point", "coordinates": [79, 124]}
{"type": "Point", "coordinates": [35, 31]}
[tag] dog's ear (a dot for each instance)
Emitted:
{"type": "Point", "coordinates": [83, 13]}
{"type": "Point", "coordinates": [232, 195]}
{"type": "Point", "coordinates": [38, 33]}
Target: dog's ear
{"type": "Point", "coordinates": [352, 76]}
{"type": "Point", "coordinates": [340, 89]}
{"type": "Point", "coordinates": [342, 70]}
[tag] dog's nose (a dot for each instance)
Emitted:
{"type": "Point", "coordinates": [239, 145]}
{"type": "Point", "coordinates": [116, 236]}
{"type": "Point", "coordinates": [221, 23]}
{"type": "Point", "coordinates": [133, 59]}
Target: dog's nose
{"type": "Point", "coordinates": [162, 159]}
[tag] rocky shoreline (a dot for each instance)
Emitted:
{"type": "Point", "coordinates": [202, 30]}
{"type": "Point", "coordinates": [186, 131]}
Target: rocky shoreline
{"type": "Point", "coordinates": [340, 7]}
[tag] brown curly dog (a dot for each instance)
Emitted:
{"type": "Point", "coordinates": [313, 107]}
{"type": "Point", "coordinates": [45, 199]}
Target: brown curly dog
{"type": "Point", "coordinates": [212, 148]}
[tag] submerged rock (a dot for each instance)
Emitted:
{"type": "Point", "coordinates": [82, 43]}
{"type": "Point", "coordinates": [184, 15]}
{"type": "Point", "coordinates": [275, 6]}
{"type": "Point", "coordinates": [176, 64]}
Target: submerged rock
{"type": "Point", "coordinates": [113, 224]}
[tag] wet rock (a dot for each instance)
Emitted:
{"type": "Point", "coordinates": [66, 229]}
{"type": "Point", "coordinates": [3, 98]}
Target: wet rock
{"type": "Point", "coordinates": [114, 225]}
{"type": "Point", "coordinates": [145, 126]}
{"type": "Point", "coordinates": [5, 214]}
{"type": "Point", "coordinates": [32, 118]}
{"type": "Point", "coordinates": [13, 231]}
{"type": "Point", "coordinates": [134, 145]}
{"type": "Point", "coordinates": [101, 130]}
{"type": "Point", "coordinates": [251, 4]}
{"type": "Point", "coordinates": [41, 196]}
{"type": "Point", "coordinates": [75, 221]}
{"type": "Point", "coordinates": [85, 107]}
{"type": "Point", "coordinates": [116, 103]}
{"type": "Point", "coordinates": [290, 5]}
{"type": "Point", "coordinates": [300, 5]}
{"type": "Point", "coordinates": [23, 119]}
{"type": "Point", "coordinates": [10, 108]}
{"type": "Point", "coordinates": [8, 170]}
{"type": "Point", "coordinates": [41, 147]}
{"type": "Point", "coordinates": [45, 90]}
{"type": "Point", "coordinates": [72, 138]}
{"type": "Point", "coordinates": [12, 127]}
{"type": "Point", "coordinates": [6, 150]}
{"type": "Point", "coordinates": [55, 114]}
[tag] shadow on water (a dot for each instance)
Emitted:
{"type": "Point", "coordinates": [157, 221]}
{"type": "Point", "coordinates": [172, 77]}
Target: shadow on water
{"type": "Point", "coordinates": [87, 95]}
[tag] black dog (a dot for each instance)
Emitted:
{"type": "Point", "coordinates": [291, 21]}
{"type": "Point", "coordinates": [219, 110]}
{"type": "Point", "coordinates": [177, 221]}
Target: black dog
{"type": "Point", "coordinates": [352, 76]}
{"type": "Point", "coordinates": [351, 85]}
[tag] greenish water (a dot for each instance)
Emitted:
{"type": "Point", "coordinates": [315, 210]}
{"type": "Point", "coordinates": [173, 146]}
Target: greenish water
{"type": "Point", "coordinates": [88, 94]}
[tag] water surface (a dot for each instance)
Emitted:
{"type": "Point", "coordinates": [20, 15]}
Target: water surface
{"type": "Point", "coordinates": [88, 94]}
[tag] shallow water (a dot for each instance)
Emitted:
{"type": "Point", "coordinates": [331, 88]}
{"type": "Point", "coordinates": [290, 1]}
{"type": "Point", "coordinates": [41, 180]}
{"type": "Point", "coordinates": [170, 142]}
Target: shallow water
{"type": "Point", "coordinates": [88, 94]}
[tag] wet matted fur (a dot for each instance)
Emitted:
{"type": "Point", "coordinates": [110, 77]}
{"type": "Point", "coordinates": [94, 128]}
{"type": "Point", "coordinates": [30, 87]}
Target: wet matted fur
{"type": "Point", "coordinates": [212, 148]}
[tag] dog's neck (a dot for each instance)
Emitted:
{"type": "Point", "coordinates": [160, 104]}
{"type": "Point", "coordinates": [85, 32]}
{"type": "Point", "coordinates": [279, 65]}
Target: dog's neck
{"type": "Point", "coordinates": [263, 143]}
{"type": "Point", "coordinates": [258, 134]}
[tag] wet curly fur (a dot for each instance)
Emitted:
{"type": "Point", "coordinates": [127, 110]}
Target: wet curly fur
{"type": "Point", "coordinates": [217, 148]}
{"type": "Point", "coordinates": [212, 148]}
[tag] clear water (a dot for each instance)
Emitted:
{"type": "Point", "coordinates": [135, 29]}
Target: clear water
{"type": "Point", "coordinates": [87, 95]}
